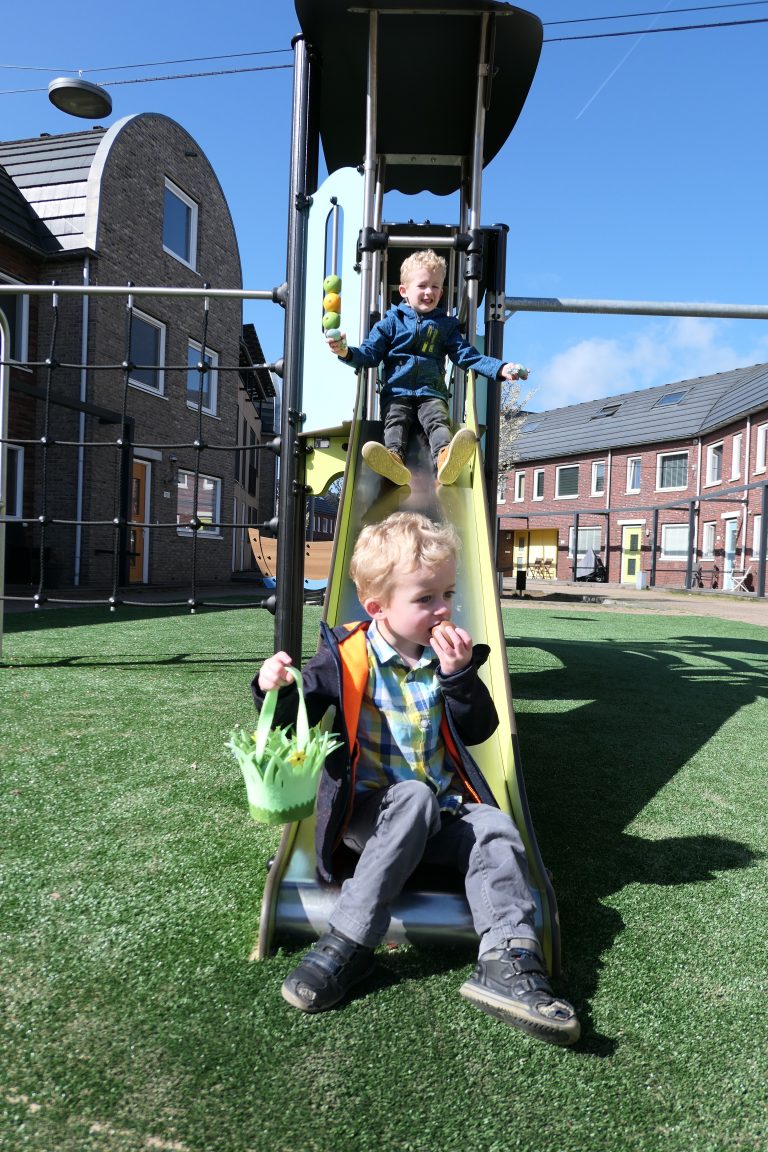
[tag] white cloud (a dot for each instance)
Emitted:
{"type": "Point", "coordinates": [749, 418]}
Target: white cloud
{"type": "Point", "coordinates": [664, 352]}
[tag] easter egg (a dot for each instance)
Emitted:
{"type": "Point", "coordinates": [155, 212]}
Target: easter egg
{"type": "Point", "coordinates": [332, 283]}
{"type": "Point", "coordinates": [331, 320]}
{"type": "Point", "coordinates": [332, 302]}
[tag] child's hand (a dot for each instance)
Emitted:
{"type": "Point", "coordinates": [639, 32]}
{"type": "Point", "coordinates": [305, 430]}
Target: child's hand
{"type": "Point", "coordinates": [452, 646]}
{"type": "Point", "coordinates": [275, 672]}
{"type": "Point", "coordinates": [339, 345]}
{"type": "Point", "coordinates": [514, 372]}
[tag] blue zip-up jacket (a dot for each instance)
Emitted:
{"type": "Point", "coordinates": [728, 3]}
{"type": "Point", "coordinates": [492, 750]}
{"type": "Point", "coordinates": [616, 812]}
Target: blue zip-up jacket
{"type": "Point", "coordinates": [332, 677]}
{"type": "Point", "coordinates": [412, 348]}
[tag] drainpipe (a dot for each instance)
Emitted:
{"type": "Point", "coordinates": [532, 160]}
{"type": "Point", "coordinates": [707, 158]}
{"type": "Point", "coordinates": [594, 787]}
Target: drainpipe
{"type": "Point", "coordinates": [81, 423]}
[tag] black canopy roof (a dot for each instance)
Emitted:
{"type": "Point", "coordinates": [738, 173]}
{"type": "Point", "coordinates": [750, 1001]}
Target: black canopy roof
{"type": "Point", "coordinates": [427, 73]}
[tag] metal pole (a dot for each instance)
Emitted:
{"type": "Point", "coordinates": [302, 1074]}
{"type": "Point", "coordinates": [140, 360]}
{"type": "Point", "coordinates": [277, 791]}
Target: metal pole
{"type": "Point", "coordinates": [763, 543]}
{"type": "Point", "coordinates": [289, 596]}
{"type": "Point", "coordinates": [691, 542]}
{"type": "Point", "coordinates": [635, 307]}
{"type": "Point", "coordinates": [369, 192]}
{"type": "Point", "coordinates": [475, 197]}
{"type": "Point", "coordinates": [5, 385]}
{"type": "Point", "coordinates": [494, 346]}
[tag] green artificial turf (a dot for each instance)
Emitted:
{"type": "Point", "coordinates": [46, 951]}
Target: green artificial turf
{"type": "Point", "coordinates": [132, 880]}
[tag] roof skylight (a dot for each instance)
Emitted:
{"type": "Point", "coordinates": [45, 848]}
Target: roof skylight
{"type": "Point", "coordinates": [671, 398]}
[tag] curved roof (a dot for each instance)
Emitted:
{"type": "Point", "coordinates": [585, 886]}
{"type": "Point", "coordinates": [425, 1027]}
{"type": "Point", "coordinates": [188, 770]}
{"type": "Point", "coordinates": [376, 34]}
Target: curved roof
{"type": "Point", "coordinates": [427, 68]}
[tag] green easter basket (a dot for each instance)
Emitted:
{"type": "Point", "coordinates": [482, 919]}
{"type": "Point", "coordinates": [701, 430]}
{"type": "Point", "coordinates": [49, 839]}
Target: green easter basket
{"type": "Point", "coordinates": [281, 767]}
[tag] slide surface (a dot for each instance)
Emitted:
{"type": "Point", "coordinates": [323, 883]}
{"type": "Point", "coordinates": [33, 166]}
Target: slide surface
{"type": "Point", "coordinates": [295, 905]}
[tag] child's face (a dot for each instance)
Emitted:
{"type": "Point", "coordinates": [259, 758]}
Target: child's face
{"type": "Point", "coordinates": [417, 601]}
{"type": "Point", "coordinates": [423, 290]}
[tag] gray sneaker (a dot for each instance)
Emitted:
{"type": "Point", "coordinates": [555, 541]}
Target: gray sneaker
{"type": "Point", "coordinates": [511, 984]}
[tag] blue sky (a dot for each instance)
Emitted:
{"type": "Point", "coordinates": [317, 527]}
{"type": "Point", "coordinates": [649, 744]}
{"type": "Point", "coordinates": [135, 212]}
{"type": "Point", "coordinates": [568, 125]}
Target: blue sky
{"type": "Point", "coordinates": [637, 170]}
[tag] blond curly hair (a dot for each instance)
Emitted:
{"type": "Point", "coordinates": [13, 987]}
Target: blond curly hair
{"type": "Point", "coordinates": [426, 259]}
{"type": "Point", "coordinates": [400, 544]}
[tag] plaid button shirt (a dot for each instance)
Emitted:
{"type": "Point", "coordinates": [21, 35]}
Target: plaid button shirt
{"type": "Point", "coordinates": [399, 730]}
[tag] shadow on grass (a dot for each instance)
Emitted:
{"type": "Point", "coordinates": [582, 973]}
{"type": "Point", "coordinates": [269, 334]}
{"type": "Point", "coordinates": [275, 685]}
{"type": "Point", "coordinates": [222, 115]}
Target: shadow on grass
{"type": "Point", "coordinates": [610, 724]}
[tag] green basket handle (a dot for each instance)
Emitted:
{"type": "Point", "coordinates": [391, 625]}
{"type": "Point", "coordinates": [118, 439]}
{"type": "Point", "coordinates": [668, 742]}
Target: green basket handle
{"type": "Point", "coordinates": [267, 716]}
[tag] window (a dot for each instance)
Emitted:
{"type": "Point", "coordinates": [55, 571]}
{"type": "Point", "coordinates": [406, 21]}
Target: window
{"type": "Point", "coordinates": [708, 531]}
{"type": "Point", "coordinates": [538, 484]}
{"type": "Point", "coordinates": [757, 526]}
{"type": "Point", "coordinates": [567, 482]}
{"type": "Point", "coordinates": [14, 481]}
{"type": "Point", "coordinates": [147, 353]}
{"type": "Point", "coordinates": [529, 426]}
{"type": "Point", "coordinates": [736, 456]}
{"type": "Point", "coordinates": [206, 381]}
{"type": "Point", "coordinates": [672, 471]}
{"type": "Point", "coordinates": [16, 309]}
{"type": "Point", "coordinates": [670, 398]}
{"type": "Point", "coordinates": [714, 464]}
{"type": "Point", "coordinates": [588, 538]}
{"type": "Point", "coordinates": [519, 486]}
{"type": "Point", "coordinates": [208, 503]}
{"type": "Point", "coordinates": [761, 441]}
{"type": "Point", "coordinates": [674, 542]}
{"type": "Point", "coordinates": [606, 410]}
{"type": "Point", "coordinates": [501, 488]}
{"type": "Point", "coordinates": [598, 478]}
{"type": "Point", "coordinates": [633, 474]}
{"type": "Point", "coordinates": [179, 225]}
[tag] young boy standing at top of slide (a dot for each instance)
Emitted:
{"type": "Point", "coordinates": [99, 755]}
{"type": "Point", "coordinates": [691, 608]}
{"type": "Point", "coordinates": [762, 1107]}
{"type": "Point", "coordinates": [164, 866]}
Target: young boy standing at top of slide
{"type": "Point", "coordinates": [412, 341]}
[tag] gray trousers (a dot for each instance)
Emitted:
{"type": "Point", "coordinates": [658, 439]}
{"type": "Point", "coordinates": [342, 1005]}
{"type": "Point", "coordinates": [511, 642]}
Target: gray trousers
{"type": "Point", "coordinates": [398, 827]}
{"type": "Point", "coordinates": [399, 414]}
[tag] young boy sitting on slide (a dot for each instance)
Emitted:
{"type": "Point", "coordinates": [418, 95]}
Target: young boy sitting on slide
{"type": "Point", "coordinates": [403, 788]}
{"type": "Point", "coordinates": [412, 341]}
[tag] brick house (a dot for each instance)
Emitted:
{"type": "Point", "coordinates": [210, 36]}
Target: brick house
{"type": "Point", "coordinates": [655, 482]}
{"type": "Point", "coordinates": [110, 496]}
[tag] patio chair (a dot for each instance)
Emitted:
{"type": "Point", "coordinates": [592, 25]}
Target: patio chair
{"type": "Point", "coordinates": [741, 578]}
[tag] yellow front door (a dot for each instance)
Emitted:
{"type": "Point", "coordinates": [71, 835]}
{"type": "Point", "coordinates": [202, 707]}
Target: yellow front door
{"type": "Point", "coordinates": [136, 532]}
{"type": "Point", "coordinates": [630, 553]}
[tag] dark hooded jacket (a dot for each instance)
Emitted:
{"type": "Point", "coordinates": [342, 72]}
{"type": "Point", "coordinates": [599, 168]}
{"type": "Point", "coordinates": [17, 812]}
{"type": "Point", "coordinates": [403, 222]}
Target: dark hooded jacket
{"type": "Point", "coordinates": [337, 677]}
{"type": "Point", "coordinates": [412, 348]}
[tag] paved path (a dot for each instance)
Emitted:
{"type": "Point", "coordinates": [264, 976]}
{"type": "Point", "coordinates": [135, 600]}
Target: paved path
{"type": "Point", "coordinates": [744, 606]}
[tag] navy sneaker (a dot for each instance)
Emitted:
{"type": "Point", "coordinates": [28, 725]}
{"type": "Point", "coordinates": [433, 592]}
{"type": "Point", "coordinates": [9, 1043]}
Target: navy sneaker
{"type": "Point", "coordinates": [512, 984]}
{"type": "Point", "coordinates": [327, 973]}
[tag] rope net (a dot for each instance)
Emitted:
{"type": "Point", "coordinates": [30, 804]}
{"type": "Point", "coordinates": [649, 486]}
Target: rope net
{"type": "Point", "coordinates": [128, 466]}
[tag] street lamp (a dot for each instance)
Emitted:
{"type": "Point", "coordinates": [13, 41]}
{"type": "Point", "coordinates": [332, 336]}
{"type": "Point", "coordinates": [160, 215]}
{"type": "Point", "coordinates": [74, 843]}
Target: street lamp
{"type": "Point", "coordinates": [79, 97]}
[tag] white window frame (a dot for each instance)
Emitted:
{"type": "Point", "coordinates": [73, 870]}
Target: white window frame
{"type": "Point", "coordinates": [590, 537]}
{"type": "Point", "coordinates": [738, 441]}
{"type": "Point", "coordinates": [190, 260]}
{"type": "Point", "coordinates": [19, 350]}
{"type": "Point", "coordinates": [631, 462]}
{"type": "Point", "coordinates": [708, 534]}
{"type": "Point", "coordinates": [538, 479]}
{"type": "Point", "coordinates": [135, 381]}
{"type": "Point", "coordinates": [662, 456]}
{"type": "Point", "coordinates": [212, 375]}
{"type": "Point", "coordinates": [185, 482]}
{"type": "Point", "coordinates": [14, 466]}
{"type": "Point", "coordinates": [519, 487]}
{"type": "Point", "coordinates": [761, 447]}
{"type": "Point", "coordinates": [671, 534]}
{"type": "Point", "coordinates": [596, 465]}
{"type": "Point", "coordinates": [715, 456]}
{"type": "Point", "coordinates": [558, 471]}
{"type": "Point", "coordinates": [757, 523]}
{"type": "Point", "coordinates": [501, 488]}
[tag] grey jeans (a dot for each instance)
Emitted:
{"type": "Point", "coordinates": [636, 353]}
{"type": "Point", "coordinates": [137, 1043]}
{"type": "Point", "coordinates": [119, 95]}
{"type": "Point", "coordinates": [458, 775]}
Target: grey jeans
{"type": "Point", "coordinates": [399, 414]}
{"type": "Point", "coordinates": [398, 827]}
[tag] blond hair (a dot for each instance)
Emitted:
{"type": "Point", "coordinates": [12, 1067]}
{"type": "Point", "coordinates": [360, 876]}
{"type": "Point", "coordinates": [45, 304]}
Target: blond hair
{"type": "Point", "coordinates": [400, 544]}
{"type": "Point", "coordinates": [426, 259]}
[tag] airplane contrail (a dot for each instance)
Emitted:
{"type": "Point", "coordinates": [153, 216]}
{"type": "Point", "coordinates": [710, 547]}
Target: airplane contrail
{"type": "Point", "coordinates": [620, 64]}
